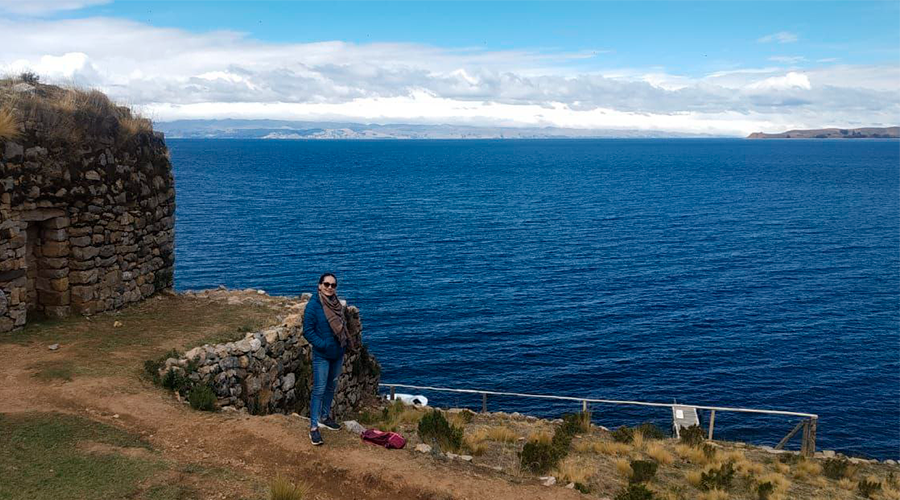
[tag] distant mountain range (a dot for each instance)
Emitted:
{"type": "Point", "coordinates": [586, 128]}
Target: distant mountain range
{"type": "Point", "coordinates": [834, 133]}
{"type": "Point", "coordinates": [279, 129]}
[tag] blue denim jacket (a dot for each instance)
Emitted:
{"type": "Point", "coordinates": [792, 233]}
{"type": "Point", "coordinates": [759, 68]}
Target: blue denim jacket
{"type": "Point", "coordinates": [318, 332]}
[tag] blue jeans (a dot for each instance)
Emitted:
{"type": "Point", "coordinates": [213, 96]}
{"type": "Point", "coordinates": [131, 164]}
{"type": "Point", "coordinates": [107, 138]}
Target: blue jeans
{"type": "Point", "coordinates": [325, 374]}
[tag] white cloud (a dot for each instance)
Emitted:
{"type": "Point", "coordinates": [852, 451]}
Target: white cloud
{"type": "Point", "coordinates": [43, 7]}
{"type": "Point", "coordinates": [787, 82]}
{"type": "Point", "coordinates": [173, 74]}
{"type": "Point", "coordinates": [787, 59]}
{"type": "Point", "coordinates": [780, 37]}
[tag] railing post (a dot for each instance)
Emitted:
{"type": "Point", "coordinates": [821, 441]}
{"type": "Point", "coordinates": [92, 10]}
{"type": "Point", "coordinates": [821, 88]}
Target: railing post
{"type": "Point", "coordinates": [712, 423]}
{"type": "Point", "coordinates": [808, 447]}
{"type": "Point", "coordinates": [392, 393]}
{"type": "Point", "coordinates": [483, 402]}
{"type": "Point", "coordinates": [804, 443]}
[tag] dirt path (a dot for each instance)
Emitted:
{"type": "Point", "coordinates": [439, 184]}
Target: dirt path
{"type": "Point", "coordinates": [258, 447]}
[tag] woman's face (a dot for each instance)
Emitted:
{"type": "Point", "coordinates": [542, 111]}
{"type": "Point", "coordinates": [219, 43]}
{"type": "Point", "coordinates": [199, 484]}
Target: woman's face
{"type": "Point", "coordinates": [328, 286]}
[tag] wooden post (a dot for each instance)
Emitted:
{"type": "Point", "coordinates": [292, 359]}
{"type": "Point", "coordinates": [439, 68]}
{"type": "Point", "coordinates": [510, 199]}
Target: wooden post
{"type": "Point", "coordinates": [804, 444]}
{"type": "Point", "coordinates": [484, 402]}
{"type": "Point", "coordinates": [787, 438]}
{"type": "Point", "coordinates": [813, 423]}
{"type": "Point", "coordinates": [712, 423]}
{"type": "Point", "coordinates": [392, 393]}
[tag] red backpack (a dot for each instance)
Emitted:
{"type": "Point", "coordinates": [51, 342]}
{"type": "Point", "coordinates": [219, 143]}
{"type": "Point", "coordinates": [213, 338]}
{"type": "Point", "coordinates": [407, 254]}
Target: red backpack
{"type": "Point", "coordinates": [390, 440]}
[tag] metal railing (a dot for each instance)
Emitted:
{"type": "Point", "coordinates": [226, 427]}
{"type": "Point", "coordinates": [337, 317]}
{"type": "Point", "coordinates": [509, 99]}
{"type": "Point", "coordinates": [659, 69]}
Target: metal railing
{"type": "Point", "coordinates": [808, 424]}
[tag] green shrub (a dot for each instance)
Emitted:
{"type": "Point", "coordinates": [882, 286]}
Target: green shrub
{"type": "Point", "coordinates": [538, 457]}
{"type": "Point", "coordinates": [765, 490]}
{"type": "Point", "coordinates": [868, 488]}
{"type": "Point", "coordinates": [643, 470]}
{"type": "Point", "coordinates": [635, 492]}
{"type": "Point", "coordinates": [202, 397]}
{"type": "Point", "coordinates": [174, 380]}
{"type": "Point", "coordinates": [576, 423]}
{"type": "Point", "coordinates": [692, 435]}
{"type": "Point", "coordinates": [835, 468]}
{"type": "Point", "coordinates": [583, 488]}
{"type": "Point", "coordinates": [433, 427]}
{"type": "Point", "coordinates": [153, 366]}
{"type": "Point", "coordinates": [719, 479]}
{"type": "Point", "coordinates": [561, 441]}
{"type": "Point", "coordinates": [622, 435]}
{"type": "Point", "coordinates": [651, 431]}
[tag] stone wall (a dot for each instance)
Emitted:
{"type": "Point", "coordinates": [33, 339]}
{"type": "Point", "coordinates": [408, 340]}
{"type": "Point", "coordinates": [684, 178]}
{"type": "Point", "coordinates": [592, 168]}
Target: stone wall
{"type": "Point", "coordinates": [86, 219]}
{"type": "Point", "coordinates": [269, 371]}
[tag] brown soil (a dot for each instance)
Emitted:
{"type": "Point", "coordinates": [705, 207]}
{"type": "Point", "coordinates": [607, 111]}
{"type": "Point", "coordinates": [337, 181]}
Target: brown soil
{"type": "Point", "coordinates": [105, 363]}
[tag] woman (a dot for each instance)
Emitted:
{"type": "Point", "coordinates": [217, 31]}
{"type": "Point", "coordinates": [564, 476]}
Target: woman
{"type": "Point", "coordinates": [325, 329]}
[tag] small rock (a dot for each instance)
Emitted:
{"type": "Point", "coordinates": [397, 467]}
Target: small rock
{"type": "Point", "coordinates": [452, 456]}
{"type": "Point", "coordinates": [53, 347]}
{"type": "Point", "coordinates": [423, 448]}
{"type": "Point", "coordinates": [571, 486]}
{"type": "Point", "coordinates": [465, 458]}
{"type": "Point", "coordinates": [116, 415]}
{"type": "Point", "coordinates": [260, 292]}
{"type": "Point", "coordinates": [117, 324]}
{"type": "Point", "coordinates": [547, 480]}
{"type": "Point", "coordinates": [356, 428]}
{"type": "Point", "coordinates": [890, 462]}
{"type": "Point", "coordinates": [828, 453]}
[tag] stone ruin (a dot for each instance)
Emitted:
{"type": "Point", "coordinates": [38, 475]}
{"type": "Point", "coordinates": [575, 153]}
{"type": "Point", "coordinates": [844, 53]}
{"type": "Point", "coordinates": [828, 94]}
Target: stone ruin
{"type": "Point", "coordinates": [270, 371]}
{"type": "Point", "coordinates": [87, 207]}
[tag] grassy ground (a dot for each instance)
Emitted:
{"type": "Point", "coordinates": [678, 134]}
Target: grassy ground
{"type": "Point", "coordinates": [600, 465]}
{"type": "Point", "coordinates": [136, 330]}
{"type": "Point", "coordinates": [54, 456]}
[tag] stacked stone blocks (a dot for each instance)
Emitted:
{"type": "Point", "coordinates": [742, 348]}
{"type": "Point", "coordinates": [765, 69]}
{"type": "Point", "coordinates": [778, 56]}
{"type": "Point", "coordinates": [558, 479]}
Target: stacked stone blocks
{"type": "Point", "coordinates": [83, 228]}
{"type": "Point", "coordinates": [269, 371]}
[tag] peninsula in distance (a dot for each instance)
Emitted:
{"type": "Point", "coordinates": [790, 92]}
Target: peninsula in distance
{"type": "Point", "coordinates": [833, 133]}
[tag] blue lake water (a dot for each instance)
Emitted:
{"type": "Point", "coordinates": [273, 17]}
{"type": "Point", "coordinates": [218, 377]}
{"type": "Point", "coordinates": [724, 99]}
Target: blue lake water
{"type": "Point", "coordinates": [760, 274]}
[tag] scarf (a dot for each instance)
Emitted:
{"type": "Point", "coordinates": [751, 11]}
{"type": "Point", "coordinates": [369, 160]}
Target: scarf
{"type": "Point", "coordinates": [334, 313]}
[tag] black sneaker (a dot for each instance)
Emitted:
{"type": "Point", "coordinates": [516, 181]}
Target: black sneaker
{"type": "Point", "coordinates": [330, 424]}
{"type": "Point", "coordinates": [315, 438]}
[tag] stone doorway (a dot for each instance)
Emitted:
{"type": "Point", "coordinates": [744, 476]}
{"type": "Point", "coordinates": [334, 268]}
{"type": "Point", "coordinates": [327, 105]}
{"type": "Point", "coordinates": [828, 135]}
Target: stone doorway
{"type": "Point", "coordinates": [32, 256]}
{"type": "Point", "coordinates": [46, 290]}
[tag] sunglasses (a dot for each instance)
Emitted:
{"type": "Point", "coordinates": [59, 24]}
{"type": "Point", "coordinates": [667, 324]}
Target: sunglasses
{"type": "Point", "coordinates": [329, 285]}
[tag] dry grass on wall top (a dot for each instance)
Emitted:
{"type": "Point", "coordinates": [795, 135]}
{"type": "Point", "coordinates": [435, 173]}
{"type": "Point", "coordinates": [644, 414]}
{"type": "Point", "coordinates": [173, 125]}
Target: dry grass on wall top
{"type": "Point", "coordinates": [9, 128]}
{"type": "Point", "coordinates": [70, 115]}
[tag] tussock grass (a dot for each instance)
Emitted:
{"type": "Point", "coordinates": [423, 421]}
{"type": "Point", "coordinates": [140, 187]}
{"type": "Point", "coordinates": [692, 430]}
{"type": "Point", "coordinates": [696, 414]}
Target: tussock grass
{"type": "Point", "coordinates": [637, 440]}
{"type": "Point", "coordinates": [782, 467]}
{"type": "Point", "coordinates": [780, 482]}
{"type": "Point", "coordinates": [573, 470]}
{"type": "Point", "coordinates": [283, 489]}
{"type": "Point", "coordinates": [69, 115]}
{"type": "Point", "coordinates": [542, 437]}
{"type": "Point", "coordinates": [693, 477]}
{"type": "Point", "coordinates": [748, 469]}
{"type": "Point", "coordinates": [9, 128]}
{"type": "Point", "coordinates": [611, 448]}
{"type": "Point", "coordinates": [623, 467]}
{"type": "Point", "coordinates": [502, 434]}
{"type": "Point", "coordinates": [889, 492]}
{"type": "Point", "coordinates": [713, 494]}
{"type": "Point", "coordinates": [696, 456]}
{"type": "Point", "coordinates": [658, 452]}
{"type": "Point", "coordinates": [807, 468]}
{"type": "Point", "coordinates": [846, 484]}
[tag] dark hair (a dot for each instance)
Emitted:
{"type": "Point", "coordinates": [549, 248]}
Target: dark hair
{"type": "Point", "coordinates": [322, 278]}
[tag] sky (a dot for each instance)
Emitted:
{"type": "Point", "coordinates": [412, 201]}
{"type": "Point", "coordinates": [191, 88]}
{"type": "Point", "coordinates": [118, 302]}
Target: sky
{"type": "Point", "coordinates": [723, 68]}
